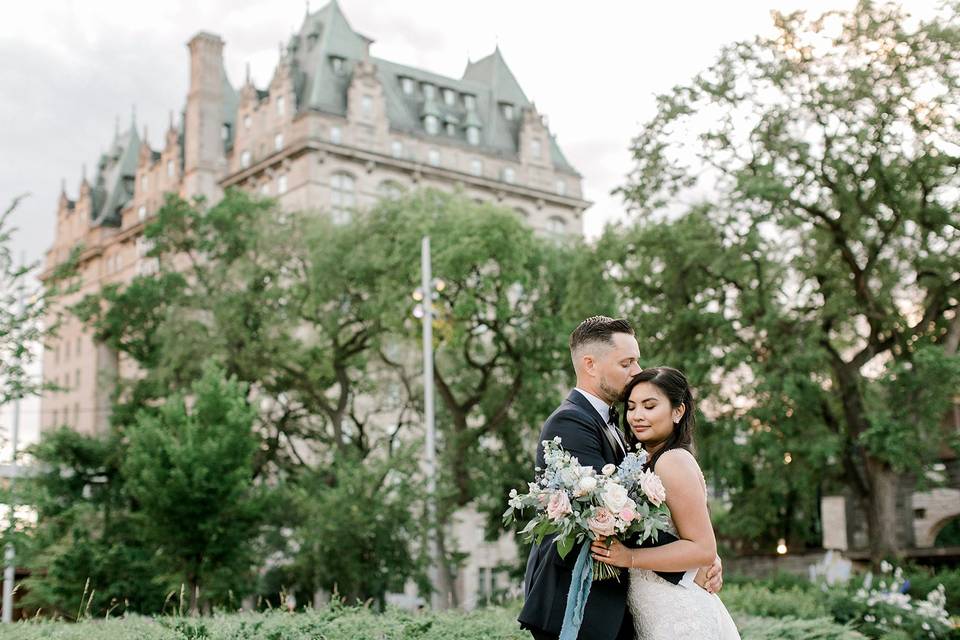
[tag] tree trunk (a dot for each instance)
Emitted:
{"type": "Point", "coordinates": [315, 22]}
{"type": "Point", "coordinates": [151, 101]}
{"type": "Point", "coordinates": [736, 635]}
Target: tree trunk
{"type": "Point", "coordinates": [446, 586]}
{"type": "Point", "coordinates": [881, 507]}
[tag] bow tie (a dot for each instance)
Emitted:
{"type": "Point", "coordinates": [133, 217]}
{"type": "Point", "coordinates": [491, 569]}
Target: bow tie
{"type": "Point", "coordinates": [614, 419]}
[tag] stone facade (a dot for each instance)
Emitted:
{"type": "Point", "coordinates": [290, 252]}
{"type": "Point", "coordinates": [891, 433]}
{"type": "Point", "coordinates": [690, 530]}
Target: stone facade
{"type": "Point", "coordinates": [335, 130]}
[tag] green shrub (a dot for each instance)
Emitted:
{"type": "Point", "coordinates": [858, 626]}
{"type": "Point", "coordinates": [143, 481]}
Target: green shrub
{"type": "Point", "coordinates": [762, 601]}
{"type": "Point", "coordinates": [760, 628]}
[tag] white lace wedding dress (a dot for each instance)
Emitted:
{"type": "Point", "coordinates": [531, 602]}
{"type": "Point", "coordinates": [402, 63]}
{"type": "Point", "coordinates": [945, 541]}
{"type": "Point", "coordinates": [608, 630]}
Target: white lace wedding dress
{"type": "Point", "coordinates": [665, 611]}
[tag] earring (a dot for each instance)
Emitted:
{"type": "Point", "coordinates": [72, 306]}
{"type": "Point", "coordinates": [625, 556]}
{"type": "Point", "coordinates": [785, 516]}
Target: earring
{"type": "Point", "coordinates": [676, 421]}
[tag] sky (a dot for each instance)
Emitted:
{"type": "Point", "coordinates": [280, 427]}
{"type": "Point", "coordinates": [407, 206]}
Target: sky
{"type": "Point", "coordinates": [70, 68]}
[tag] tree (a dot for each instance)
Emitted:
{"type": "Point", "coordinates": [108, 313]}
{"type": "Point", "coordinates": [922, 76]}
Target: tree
{"type": "Point", "coordinates": [26, 315]}
{"type": "Point", "coordinates": [829, 151]}
{"type": "Point", "coordinates": [190, 470]}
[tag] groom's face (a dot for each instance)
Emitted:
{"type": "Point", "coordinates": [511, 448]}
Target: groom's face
{"type": "Point", "coordinates": [616, 365]}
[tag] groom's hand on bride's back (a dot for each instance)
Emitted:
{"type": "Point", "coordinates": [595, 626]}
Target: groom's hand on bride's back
{"type": "Point", "coordinates": [711, 578]}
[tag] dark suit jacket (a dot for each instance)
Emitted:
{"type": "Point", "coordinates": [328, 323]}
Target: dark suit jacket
{"type": "Point", "coordinates": [583, 434]}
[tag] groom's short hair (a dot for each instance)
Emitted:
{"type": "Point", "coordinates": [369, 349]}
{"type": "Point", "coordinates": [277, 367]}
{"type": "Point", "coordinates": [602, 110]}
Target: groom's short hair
{"type": "Point", "coordinates": [598, 329]}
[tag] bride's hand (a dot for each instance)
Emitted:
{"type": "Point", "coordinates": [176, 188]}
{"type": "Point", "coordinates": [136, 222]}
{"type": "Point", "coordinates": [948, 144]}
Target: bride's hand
{"type": "Point", "coordinates": [616, 554]}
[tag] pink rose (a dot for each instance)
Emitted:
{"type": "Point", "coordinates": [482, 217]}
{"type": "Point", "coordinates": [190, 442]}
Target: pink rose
{"type": "Point", "coordinates": [602, 523]}
{"type": "Point", "coordinates": [627, 514]}
{"type": "Point", "coordinates": [652, 487]}
{"type": "Point", "coordinates": [558, 506]}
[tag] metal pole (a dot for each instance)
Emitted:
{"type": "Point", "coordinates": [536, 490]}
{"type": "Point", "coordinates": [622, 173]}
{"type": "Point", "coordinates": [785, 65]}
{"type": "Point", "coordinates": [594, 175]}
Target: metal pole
{"type": "Point", "coordinates": [426, 283]}
{"type": "Point", "coordinates": [9, 572]}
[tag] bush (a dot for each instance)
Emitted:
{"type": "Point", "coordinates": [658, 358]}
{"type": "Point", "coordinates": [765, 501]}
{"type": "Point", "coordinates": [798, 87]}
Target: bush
{"type": "Point", "coordinates": [923, 580]}
{"type": "Point", "coordinates": [760, 628]}
{"type": "Point", "coordinates": [333, 623]}
{"type": "Point", "coordinates": [762, 601]}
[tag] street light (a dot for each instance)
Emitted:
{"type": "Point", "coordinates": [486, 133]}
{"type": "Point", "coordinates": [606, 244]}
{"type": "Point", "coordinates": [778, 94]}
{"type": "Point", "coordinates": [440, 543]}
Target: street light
{"type": "Point", "coordinates": [425, 294]}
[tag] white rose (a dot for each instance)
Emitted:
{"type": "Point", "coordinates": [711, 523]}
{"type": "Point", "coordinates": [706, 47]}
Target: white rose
{"type": "Point", "coordinates": [586, 485]}
{"type": "Point", "coordinates": [614, 497]}
{"type": "Point", "coordinates": [569, 476]}
{"type": "Point", "coordinates": [608, 469]}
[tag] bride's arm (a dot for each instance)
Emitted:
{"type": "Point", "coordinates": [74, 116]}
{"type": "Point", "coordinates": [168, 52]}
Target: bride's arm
{"type": "Point", "coordinates": [697, 546]}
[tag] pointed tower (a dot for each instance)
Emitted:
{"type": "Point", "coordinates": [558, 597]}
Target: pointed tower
{"type": "Point", "coordinates": [204, 159]}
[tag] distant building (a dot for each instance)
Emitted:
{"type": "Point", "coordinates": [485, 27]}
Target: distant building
{"type": "Point", "coordinates": [335, 129]}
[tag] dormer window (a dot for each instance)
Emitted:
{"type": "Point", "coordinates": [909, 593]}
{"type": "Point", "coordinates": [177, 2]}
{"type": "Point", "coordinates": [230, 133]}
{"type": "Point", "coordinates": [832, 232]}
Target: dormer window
{"type": "Point", "coordinates": [337, 63]}
{"type": "Point", "coordinates": [278, 142]}
{"type": "Point", "coordinates": [508, 175]}
{"type": "Point", "coordinates": [561, 188]}
{"type": "Point", "coordinates": [432, 124]}
{"type": "Point", "coordinates": [225, 132]}
{"type": "Point", "coordinates": [396, 149]}
{"type": "Point", "coordinates": [507, 109]}
{"type": "Point", "coordinates": [247, 121]}
{"type": "Point", "coordinates": [428, 91]}
{"type": "Point", "coordinates": [469, 101]}
{"type": "Point", "coordinates": [169, 168]}
{"type": "Point", "coordinates": [245, 159]}
{"type": "Point", "coordinates": [407, 85]}
{"type": "Point", "coordinates": [144, 183]}
{"type": "Point", "coordinates": [366, 105]}
{"type": "Point", "coordinates": [451, 129]}
{"type": "Point", "coordinates": [535, 151]}
{"type": "Point", "coordinates": [281, 106]}
{"type": "Point", "coordinates": [449, 97]}
{"type": "Point", "coordinates": [335, 135]}
{"type": "Point", "coordinates": [473, 135]}
{"type": "Point", "coordinates": [433, 157]}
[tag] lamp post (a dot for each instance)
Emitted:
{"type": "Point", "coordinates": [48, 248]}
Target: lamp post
{"type": "Point", "coordinates": [425, 295]}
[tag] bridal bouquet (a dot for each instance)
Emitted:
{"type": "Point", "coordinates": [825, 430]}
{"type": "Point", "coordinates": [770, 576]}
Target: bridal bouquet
{"type": "Point", "coordinates": [577, 503]}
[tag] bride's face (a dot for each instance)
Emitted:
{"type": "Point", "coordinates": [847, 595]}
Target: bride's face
{"type": "Point", "coordinates": [650, 415]}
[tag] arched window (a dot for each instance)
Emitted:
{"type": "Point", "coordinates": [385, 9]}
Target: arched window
{"type": "Point", "coordinates": [556, 225]}
{"type": "Point", "coordinates": [342, 197]}
{"type": "Point", "coordinates": [390, 189]}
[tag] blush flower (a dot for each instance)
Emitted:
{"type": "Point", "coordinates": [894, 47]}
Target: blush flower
{"type": "Point", "coordinates": [558, 506]}
{"type": "Point", "coordinates": [602, 523]}
{"type": "Point", "coordinates": [652, 487]}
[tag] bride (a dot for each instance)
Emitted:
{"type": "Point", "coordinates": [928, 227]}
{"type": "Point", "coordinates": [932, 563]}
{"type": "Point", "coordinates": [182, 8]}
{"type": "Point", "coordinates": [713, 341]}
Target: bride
{"type": "Point", "coordinates": [659, 413]}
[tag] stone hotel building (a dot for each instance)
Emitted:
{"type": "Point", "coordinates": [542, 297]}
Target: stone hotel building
{"type": "Point", "coordinates": [335, 129]}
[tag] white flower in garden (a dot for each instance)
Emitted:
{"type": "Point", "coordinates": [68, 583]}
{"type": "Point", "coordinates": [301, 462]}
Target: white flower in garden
{"type": "Point", "coordinates": [608, 469]}
{"type": "Point", "coordinates": [885, 566]}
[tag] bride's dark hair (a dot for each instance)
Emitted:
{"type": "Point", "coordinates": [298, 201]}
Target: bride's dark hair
{"type": "Point", "coordinates": [674, 385]}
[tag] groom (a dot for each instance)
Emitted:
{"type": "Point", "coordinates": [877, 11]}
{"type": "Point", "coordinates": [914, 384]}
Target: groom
{"type": "Point", "coordinates": [605, 354]}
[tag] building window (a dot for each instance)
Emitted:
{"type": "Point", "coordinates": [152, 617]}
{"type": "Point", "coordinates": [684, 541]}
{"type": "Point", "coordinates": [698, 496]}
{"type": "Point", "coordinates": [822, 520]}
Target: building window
{"type": "Point", "coordinates": [246, 121]}
{"type": "Point", "coordinates": [342, 197]}
{"type": "Point", "coordinates": [77, 351]}
{"type": "Point", "coordinates": [335, 135]}
{"type": "Point", "coordinates": [56, 355]}
{"type": "Point", "coordinates": [561, 187]}
{"type": "Point", "coordinates": [76, 379]}
{"type": "Point", "coordinates": [396, 149]}
{"type": "Point", "coordinates": [282, 184]}
{"type": "Point", "coordinates": [449, 97]}
{"type": "Point", "coordinates": [433, 157]}
{"type": "Point", "coordinates": [278, 142]}
{"type": "Point", "coordinates": [366, 105]}
{"type": "Point", "coordinates": [76, 413]}
{"type": "Point", "coordinates": [337, 64]}
{"type": "Point", "coordinates": [451, 129]}
{"type": "Point", "coordinates": [428, 91]}
{"type": "Point", "coordinates": [507, 110]}
{"type": "Point", "coordinates": [66, 350]}
{"type": "Point", "coordinates": [389, 189]}
{"type": "Point", "coordinates": [56, 417]}
{"type": "Point", "coordinates": [265, 189]}
{"type": "Point", "coordinates": [169, 168]}
{"type": "Point", "coordinates": [431, 124]}
{"type": "Point", "coordinates": [508, 175]}
{"type": "Point", "coordinates": [142, 213]}
{"type": "Point", "coordinates": [225, 132]}
{"type": "Point", "coordinates": [535, 149]}
{"type": "Point", "coordinates": [281, 106]}
{"type": "Point", "coordinates": [556, 226]}
{"type": "Point", "coordinates": [476, 167]}
{"type": "Point", "coordinates": [473, 135]}
{"type": "Point", "coordinates": [469, 101]}
{"type": "Point", "coordinates": [245, 159]}
{"type": "Point", "coordinates": [407, 85]}
{"type": "Point", "coordinates": [144, 183]}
